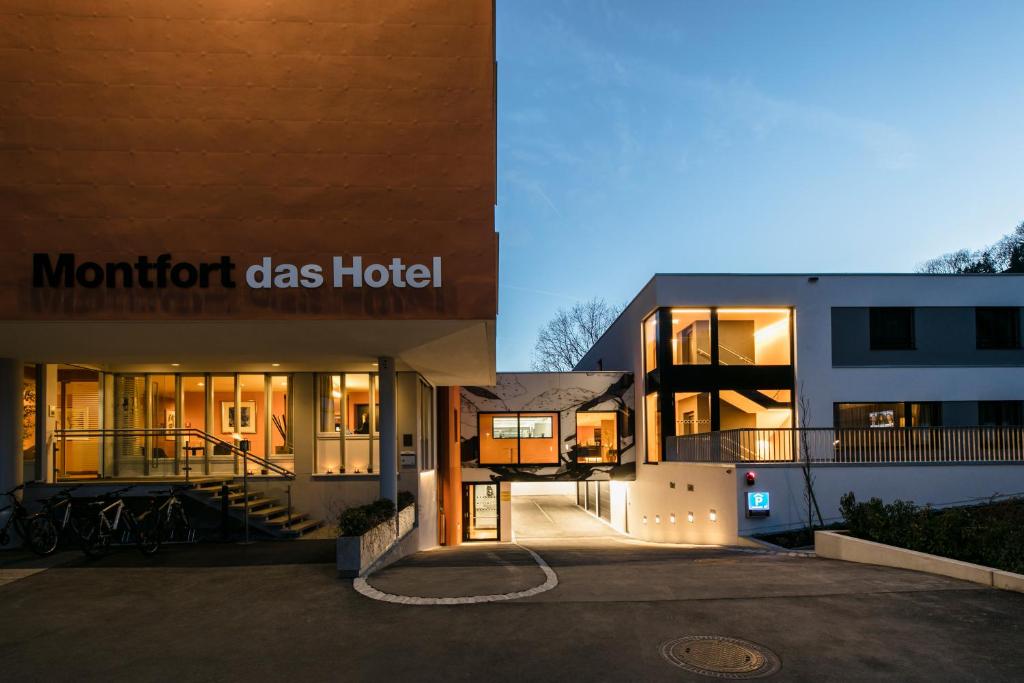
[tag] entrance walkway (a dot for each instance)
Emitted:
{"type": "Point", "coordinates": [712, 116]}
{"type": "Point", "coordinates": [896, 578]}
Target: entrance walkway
{"type": "Point", "coordinates": [537, 517]}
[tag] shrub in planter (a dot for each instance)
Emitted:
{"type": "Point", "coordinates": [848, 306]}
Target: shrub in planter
{"type": "Point", "coordinates": [357, 520]}
{"type": "Point", "coordinates": [990, 534]}
{"type": "Point", "coordinates": [405, 499]}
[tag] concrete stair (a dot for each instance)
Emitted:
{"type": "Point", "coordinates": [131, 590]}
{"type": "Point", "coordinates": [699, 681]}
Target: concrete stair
{"type": "Point", "coordinates": [267, 514]}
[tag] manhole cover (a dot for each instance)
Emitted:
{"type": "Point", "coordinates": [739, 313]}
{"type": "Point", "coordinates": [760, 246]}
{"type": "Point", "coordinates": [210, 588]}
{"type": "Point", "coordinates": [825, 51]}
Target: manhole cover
{"type": "Point", "coordinates": [721, 657]}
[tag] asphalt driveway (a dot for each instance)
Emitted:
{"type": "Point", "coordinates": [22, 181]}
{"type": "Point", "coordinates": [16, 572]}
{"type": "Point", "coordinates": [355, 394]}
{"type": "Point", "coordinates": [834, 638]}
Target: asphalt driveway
{"type": "Point", "coordinates": [276, 611]}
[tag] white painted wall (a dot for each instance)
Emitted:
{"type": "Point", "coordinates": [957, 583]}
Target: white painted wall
{"type": "Point", "coordinates": [937, 485]}
{"type": "Point", "coordinates": [653, 497]}
{"type": "Point", "coordinates": [544, 488]}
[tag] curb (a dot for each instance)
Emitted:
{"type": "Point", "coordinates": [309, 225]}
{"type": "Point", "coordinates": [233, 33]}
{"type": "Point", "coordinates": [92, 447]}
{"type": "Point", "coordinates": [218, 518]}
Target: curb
{"type": "Point", "coordinates": [363, 587]}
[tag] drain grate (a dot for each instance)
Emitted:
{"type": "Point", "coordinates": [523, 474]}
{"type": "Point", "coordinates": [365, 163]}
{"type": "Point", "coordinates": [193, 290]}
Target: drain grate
{"type": "Point", "coordinates": [721, 657]}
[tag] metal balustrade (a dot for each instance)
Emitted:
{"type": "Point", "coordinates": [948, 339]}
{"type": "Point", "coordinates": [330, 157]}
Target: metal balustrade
{"type": "Point", "coordinates": [848, 446]}
{"type": "Point", "coordinates": [186, 438]}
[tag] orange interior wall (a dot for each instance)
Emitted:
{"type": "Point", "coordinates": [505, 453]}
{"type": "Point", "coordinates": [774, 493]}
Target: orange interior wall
{"type": "Point", "coordinates": [449, 465]}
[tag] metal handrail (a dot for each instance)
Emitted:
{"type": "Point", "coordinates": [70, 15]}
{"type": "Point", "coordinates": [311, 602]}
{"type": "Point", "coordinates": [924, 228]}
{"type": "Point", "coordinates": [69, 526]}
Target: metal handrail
{"type": "Point", "coordinates": [850, 445]}
{"type": "Point", "coordinates": [182, 432]}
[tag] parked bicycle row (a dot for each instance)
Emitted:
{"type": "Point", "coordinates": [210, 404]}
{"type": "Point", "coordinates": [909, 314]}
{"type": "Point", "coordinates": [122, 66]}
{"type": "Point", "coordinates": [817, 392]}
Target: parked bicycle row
{"type": "Point", "coordinates": [94, 523]}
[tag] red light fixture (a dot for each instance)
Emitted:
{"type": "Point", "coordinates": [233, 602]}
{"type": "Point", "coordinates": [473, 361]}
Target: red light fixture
{"type": "Point", "coordinates": [751, 478]}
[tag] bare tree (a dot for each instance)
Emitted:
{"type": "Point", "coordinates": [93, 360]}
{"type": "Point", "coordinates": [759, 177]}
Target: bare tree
{"type": "Point", "coordinates": [564, 340]}
{"type": "Point", "coordinates": [805, 462]}
{"type": "Point", "coordinates": [1005, 256]}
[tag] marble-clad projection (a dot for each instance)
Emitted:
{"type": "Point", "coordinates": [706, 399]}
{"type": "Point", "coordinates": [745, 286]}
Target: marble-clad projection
{"type": "Point", "coordinates": [549, 426]}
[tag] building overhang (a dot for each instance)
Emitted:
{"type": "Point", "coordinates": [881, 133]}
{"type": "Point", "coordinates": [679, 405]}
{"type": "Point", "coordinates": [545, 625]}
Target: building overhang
{"type": "Point", "coordinates": [445, 352]}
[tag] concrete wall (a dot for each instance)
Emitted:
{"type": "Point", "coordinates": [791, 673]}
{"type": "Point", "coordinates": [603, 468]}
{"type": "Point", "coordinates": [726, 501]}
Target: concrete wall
{"type": "Point", "coordinates": [937, 485]}
{"type": "Point", "coordinates": [668, 492]}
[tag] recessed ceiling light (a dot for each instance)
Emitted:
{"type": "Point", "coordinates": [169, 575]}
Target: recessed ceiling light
{"type": "Point", "coordinates": [200, 384]}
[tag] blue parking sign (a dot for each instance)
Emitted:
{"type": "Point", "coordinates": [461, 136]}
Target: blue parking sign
{"type": "Point", "coordinates": [758, 504]}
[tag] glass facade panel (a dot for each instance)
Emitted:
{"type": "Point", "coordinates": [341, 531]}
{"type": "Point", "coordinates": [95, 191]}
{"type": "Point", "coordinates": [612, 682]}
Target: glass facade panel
{"type": "Point", "coordinates": [252, 411]}
{"type": "Point", "coordinates": [129, 414]}
{"type": "Point", "coordinates": [597, 439]}
{"type": "Point", "coordinates": [650, 334]}
{"type": "Point", "coordinates": [163, 416]}
{"type": "Point", "coordinates": [756, 409]}
{"type": "Point", "coordinates": [753, 336]}
{"type": "Point", "coordinates": [652, 427]}
{"type": "Point", "coordinates": [518, 438]}
{"type": "Point", "coordinates": [280, 415]}
{"type": "Point", "coordinates": [693, 413]}
{"type": "Point", "coordinates": [691, 336]}
{"type": "Point", "coordinates": [538, 442]}
{"type": "Point", "coordinates": [29, 399]}
{"type": "Point", "coordinates": [499, 442]}
{"type": "Point", "coordinates": [193, 416]}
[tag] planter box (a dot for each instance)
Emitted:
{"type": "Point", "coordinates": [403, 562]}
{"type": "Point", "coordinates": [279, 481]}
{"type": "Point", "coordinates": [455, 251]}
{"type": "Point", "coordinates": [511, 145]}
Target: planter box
{"type": "Point", "coordinates": [840, 546]}
{"type": "Point", "coordinates": [356, 554]}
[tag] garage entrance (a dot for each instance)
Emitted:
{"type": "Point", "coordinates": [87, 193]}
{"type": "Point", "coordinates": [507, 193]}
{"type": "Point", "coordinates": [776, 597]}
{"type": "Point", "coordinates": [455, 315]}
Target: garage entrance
{"type": "Point", "coordinates": [549, 510]}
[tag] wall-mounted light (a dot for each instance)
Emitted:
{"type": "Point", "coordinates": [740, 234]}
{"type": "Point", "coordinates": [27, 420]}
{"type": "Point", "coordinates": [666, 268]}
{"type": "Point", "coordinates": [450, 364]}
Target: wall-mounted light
{"type": "Point", "coordinates": [657, 519]}
{"type": "Point", "coordinates": [713, 516]}
{"type": "Point", "coordinates": [672, 518]}
{"type": "Point", "coordinates": [275, 365]}
{"type": "Point", "coordinates": [174, 365]}
{"type": "Point", "coordinates": [645, 519]}
{"type": "Point", "coordinates": [689, 517]}
{"type": "Point", "coordinates": [751, 478]}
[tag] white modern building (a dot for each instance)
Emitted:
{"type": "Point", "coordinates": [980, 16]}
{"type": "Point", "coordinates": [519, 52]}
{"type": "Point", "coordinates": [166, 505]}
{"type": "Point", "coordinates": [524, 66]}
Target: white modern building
{"type": "Point", "coordinates": [896, 386]}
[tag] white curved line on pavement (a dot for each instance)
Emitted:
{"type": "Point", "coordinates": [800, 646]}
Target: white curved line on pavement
{"type": "Point", "coordinates": [550, 581]}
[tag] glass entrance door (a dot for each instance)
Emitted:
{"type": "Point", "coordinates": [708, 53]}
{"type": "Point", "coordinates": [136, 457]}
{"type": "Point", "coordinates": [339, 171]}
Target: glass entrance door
{"type": "Point", "coordinates": [480, 513]}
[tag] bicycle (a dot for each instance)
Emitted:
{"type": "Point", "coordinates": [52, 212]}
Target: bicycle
{"type": "Point", "coordinates": [35, 530]}
{"type": "Point", "coordinates": [167, 522]}
{"type": "Point", "coordinates": [98, 530]}
{"type": "Point", "coordinates": [65, 513]}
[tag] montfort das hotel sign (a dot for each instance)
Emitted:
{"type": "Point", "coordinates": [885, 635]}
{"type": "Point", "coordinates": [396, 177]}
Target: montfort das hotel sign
{"type": "Point", "coordinates": [160, 272]}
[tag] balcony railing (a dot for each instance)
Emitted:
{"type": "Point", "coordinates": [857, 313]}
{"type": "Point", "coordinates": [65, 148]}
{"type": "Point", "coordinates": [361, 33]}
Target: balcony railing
{"type": "Point", "coordinates": [847, 446]}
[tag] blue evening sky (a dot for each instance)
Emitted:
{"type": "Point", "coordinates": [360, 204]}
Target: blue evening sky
{"type": "Point", "coordinates": [643, 136]}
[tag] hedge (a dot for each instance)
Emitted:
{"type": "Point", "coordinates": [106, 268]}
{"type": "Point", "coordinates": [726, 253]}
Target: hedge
{"type": "Point", "coordinates": [989, 534]}
{"type": "Point", "coordinates": [357, 520]}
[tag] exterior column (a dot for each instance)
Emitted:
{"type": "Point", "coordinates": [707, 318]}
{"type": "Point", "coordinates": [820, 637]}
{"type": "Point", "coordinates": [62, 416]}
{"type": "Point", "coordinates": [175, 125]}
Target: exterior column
{"type": "Point", "coordinates": [11, 469]}
{"type": "Point", "coordinates": [388, 419]}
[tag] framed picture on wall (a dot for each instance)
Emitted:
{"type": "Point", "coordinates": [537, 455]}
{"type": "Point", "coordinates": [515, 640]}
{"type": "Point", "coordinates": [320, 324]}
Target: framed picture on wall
{"type": "Point", "coordinates": [362, 422]}
{"type": "Point", "coordinates": [247, 423]}
{"type": "Point", "coordinates": [170, 422]}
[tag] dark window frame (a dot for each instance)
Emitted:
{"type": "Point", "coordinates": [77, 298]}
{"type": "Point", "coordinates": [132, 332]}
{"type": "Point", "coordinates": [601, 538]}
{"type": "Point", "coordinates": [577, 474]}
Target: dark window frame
{"type": "Point", "coordinates": [987, 340]}
{"type": "Point", "coordinates": [618, 435]}
{"type": "Point", "coordinates": [879, 341]}
{"type": "Point", "coordinates": [556, 424]}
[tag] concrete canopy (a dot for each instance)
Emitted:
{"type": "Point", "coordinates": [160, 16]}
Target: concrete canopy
{"type": "Point", "coordinates": [445, 352]}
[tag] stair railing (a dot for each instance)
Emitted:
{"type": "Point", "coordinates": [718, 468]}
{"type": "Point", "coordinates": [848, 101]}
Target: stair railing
{"type": "Point", "coordinates": [184, 433]}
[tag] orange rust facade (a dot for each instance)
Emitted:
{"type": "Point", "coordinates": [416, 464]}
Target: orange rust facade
{"type": "Point", "coordinates": [298, 130]}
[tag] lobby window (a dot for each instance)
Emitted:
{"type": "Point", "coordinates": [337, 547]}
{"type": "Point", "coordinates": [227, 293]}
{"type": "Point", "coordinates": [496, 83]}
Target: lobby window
{"type": "Point", "coordinates": [693, 413]}
{"type": "Point", "coordinates": [650, 333]}
{"type": "Point", "coordinates": [652, 428]}
{"type": "Point", "coordinates": [518, 438]}
{"type": "Point", "coordinates": [997, 328]}
{"type": "Point", "coordinates": [754, 336]}
{"type": "Point", "coordinates": [887, 415]}
{"type": "Point", "coordinates": [347, 424]}
{"type": "Point", "coordinates": [597, 439]}
{"type": "Point", "coordinates": [1001, 413]}
{"type": "Point", "coordinates": [891, 329]}
{"type": "Point", "coordinates": [691, 336]}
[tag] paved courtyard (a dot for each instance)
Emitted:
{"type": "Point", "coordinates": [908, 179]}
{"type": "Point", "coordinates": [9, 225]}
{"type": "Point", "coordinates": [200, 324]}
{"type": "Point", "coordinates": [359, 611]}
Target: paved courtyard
{"type": "Point", "coordinates": [276, 611]}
